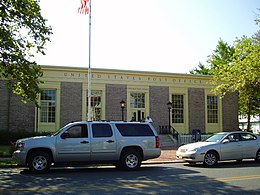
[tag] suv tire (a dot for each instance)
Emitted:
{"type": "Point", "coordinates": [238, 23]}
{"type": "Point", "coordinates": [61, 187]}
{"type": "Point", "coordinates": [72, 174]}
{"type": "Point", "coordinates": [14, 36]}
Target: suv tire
{"type": "Point", "coordinates": [39, 162]}
{"type": "Point", "coordinates": [130, 160]}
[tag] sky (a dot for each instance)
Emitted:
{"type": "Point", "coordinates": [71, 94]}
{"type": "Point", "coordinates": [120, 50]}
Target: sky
{"type": "Point", "coordinates": [144, 35]}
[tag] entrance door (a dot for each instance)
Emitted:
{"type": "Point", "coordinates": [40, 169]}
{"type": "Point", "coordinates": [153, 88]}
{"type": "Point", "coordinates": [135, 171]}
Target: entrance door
{"type": "Point", "coordinates": [138, 115]}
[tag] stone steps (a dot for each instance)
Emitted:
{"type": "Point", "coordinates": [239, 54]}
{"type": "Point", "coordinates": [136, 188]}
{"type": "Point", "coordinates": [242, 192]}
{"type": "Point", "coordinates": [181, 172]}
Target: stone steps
{"type": "Point", "coordinates": [167, 141]}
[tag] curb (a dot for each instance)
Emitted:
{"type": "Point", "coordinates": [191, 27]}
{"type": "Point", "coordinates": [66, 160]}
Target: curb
{"type": "Point", "coordinates": [163, 162]}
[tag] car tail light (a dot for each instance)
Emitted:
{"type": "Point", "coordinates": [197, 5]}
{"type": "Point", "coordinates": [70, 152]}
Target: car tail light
{"type": "Point", "coordinates": [157, 142]}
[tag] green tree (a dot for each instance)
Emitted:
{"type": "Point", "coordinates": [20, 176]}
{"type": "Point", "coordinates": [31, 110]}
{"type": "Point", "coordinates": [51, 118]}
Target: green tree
{"type": "Point", "coordinates": [221, 55]}
{"type": "Point", "coordinates": [201, 69]}
{"type": "Point", "coordinates": [237, 69]}
{"type": "Point", "coordinates": [23, 32]}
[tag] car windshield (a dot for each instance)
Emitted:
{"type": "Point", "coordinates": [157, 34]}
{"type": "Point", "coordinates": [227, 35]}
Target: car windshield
{"type": "Point", "coordinates": [56, 133]}
{"type": "Point", "coordinates": [215, 138]}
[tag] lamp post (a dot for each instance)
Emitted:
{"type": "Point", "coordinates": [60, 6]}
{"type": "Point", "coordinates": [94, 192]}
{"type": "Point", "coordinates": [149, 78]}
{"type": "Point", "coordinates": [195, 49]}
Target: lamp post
{"type": "Point", "coordinates": [122, 104]}
{"type": "Point", "coordinates": [169, 104]}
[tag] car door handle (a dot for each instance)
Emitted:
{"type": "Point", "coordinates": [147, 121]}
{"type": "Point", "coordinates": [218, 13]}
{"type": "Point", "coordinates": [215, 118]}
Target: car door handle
{"type": "Point", "coordinates": [110, 141]}
{"type": "Point", "coordinates": [84, 142]}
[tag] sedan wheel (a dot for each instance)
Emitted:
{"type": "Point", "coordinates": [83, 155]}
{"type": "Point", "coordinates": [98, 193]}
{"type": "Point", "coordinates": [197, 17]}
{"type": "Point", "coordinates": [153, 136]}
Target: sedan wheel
{"type": "Point", "coordinates": [210, 159]}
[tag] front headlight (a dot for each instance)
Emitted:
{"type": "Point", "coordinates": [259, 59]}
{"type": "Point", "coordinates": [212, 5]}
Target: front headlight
{"type": "Point", "coordinates": [20, 146]}
{"type": "Point", "coordinates": [193, 149]}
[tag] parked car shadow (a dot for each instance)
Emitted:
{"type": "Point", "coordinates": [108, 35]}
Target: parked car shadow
{"type": "Point", "coordinates": [229, 164]}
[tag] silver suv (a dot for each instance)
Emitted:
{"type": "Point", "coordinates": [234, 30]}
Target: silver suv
{"type": "Point", "coordinates": [124, 144]}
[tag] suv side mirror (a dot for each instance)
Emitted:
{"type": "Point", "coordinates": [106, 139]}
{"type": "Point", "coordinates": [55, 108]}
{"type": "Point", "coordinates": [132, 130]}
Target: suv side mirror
{"type": "Point", "coordinates": [64, 135]}
{"type": "Point", "coordinates": [225, 141]}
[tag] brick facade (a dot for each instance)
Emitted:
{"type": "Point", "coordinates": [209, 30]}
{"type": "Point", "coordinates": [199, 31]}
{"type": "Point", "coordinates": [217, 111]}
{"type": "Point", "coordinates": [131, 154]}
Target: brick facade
{"type": "Point", "coordinates": [159, 96]}
{"type": "Point", "coordinates": [117, 86]}
{"type": "Point", "coordinates": [14, 114]}
{"type": "Point", "coordinates": [114, 95]}
{"type": "Point", "coordinates": [71, 102]}
{"type": "Point", "coordinates": [22, 116]}
{"type": "Point", "coordinates": [230, 112]}
{"type": "Point", "coordinates": [196, 101]}
{"type": "Point", "coordinates": [4, 108]}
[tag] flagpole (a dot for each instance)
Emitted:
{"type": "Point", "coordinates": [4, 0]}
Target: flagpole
{"type": "Point", "coordinates": [89, 66]}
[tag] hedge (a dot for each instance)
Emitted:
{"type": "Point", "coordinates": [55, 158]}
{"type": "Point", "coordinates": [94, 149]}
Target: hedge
{"type": "Point", "coordinates": [9, 138]}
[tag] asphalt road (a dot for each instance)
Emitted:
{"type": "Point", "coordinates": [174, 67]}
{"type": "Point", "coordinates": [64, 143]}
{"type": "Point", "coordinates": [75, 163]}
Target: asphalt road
{"type": "Point", "coordinates": [177, 178]}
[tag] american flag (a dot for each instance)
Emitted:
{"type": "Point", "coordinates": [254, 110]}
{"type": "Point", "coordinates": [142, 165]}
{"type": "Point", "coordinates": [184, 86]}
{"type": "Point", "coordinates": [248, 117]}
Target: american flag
{"type": "Point", "coordinates": [84, 9]}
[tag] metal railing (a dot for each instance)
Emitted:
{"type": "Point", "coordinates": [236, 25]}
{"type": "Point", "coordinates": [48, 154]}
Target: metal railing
{"type": "Point", "coordinates": [180, 138]}
{"type": "Point", "coordinates": [186, 139]}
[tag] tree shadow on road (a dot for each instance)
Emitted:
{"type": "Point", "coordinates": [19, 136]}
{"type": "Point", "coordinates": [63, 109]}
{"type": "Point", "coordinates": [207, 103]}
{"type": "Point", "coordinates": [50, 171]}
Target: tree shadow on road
{"type": "Point", "coordinates": [108, 180]}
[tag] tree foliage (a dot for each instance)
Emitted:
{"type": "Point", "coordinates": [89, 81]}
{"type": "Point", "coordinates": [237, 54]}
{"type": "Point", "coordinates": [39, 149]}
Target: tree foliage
{"type": "Point", "coordinates": [23, 32]}
{"type": "Point", "coordinates": [237, 69]}
{"type": "Point", "coordinates": [202, 69]}
{"type": "Point", "coordinates": [221, 55]}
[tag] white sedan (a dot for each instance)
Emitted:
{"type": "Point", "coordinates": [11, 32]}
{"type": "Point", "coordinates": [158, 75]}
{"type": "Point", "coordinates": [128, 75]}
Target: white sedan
{"type": "Point", "coordinates": [222, 146]}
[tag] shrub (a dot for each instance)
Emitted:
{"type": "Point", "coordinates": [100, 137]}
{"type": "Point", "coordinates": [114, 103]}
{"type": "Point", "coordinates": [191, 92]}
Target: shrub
{"type": "Point", "coordinates": [8, 138]}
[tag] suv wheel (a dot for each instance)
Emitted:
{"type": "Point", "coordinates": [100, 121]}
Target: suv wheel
{"type": "Point", "coordinates": [130, 160]}
{"type": "Point", "coordinates": [39, 162]}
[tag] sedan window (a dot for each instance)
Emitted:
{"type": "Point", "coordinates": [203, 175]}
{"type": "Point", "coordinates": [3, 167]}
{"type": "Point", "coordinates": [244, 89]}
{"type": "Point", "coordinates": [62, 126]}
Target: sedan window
{"type": "Point", "coordinates": [247, 137]}
{"type": "Point", "coordinates": [234, 137]}
{"type": "Point", "coordinates": [215, 138]}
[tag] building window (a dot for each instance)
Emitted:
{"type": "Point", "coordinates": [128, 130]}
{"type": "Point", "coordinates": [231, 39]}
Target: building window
{"type": "Point", "coordinates": [137, 100]}
{"type": "Point", "coordinates": [48, 106]}
{"type": "Point", "coordinates": [95, 105]}
{"type": "Point", "coordinates": [212, 109]}
{"type": "Point", "coordinates": [177, 108]}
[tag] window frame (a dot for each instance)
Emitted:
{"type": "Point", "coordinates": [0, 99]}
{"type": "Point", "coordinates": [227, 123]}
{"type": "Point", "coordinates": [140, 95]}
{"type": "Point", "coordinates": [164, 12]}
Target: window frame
{"type": "Point", "coordinates": [212, 109]}
{"type": "Point", "coordinates": [48, 106]}
{"type": "Point", "coordinates": [178, 109]}
{"type": "Point", "coordinates": [137, 100]}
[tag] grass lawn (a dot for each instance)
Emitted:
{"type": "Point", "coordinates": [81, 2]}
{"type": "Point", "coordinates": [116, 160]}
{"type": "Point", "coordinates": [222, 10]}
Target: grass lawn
{"type": "Point", "coordinates": [5, 155]}
{"type": "Point", "coordinates": [7, 161]}
{"type": "Point", "coordinates": [6, 151]}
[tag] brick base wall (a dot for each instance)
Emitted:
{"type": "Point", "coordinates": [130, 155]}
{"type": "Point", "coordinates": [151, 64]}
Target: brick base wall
{"type": "Point", "coordinates": [22, 116]}
{"type": "Point", "coordinates": [159, 96]}
{"type": "Point", "coordinates": [196, 100]}
{"type": "Point", "coordinates": [114, 95]}
{"type": "Point", "coordinates": [230, 112]}
{"type": "Point", "coordinates": [4, 108]}
{"type": "Point", "coordinates": [71, 102]}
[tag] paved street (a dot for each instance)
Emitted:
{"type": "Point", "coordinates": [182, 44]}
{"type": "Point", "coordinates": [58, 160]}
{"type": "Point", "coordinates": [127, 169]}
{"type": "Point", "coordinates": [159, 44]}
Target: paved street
{"type": "Point", "coordinates": [178, 178]}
